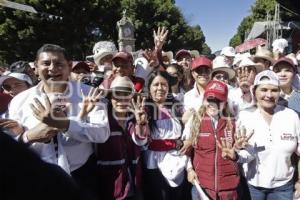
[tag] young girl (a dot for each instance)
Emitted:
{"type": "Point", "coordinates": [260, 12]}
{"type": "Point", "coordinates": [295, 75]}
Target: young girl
{"type": "Point", "coordinates": [213, 163]}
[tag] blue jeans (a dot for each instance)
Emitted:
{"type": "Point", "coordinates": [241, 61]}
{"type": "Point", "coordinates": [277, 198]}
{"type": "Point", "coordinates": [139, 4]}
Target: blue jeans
{"type": "Point", "coordinates": [284, 192]}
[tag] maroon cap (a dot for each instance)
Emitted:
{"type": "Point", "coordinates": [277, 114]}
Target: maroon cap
{"type": "Point", "coordinates": [201, 61]}
{"type": "Point", "coordinates": [182, 52]}
{"type": "Point", "coordinates": [124, 56]}
{"type": "Point", "coordinates": [216, 89]}
{"type": "Point", "coordinates": [285, 60]}
{"type": "Point", "coordinates": [80, 64]}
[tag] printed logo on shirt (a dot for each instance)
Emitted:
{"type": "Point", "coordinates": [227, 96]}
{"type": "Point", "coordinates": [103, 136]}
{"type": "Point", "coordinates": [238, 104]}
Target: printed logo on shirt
{"type": "Point", "coordinates": [204, 134]}
{"type": "Point", "coordinates": [287, 136]}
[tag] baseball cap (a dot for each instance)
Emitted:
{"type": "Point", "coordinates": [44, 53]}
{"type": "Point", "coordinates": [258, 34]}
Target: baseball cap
{"type": "Point", "coordinates": [285, 60]}
{"type": "Point", "coordinates": [80, 64]}
{"type": "Point", "coordinates": [182, 52]}
{"type": "Point", "coordinates": [216, 89]}
{"type": "Point", "coordinates": [19, 76]}
{"type": "Point", "coordinates": [266, 77]}
{"type": "Point", "coordinates": [201, 61]}
{"type": "Point", "coordinates": [124, 56]}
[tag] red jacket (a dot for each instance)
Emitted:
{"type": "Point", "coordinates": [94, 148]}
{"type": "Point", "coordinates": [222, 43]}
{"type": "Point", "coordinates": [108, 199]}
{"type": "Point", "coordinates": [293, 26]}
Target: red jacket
{"type": "Point", "coordinates": [214, 172]}
{"type": "Point", "coordinates": [114, 158]}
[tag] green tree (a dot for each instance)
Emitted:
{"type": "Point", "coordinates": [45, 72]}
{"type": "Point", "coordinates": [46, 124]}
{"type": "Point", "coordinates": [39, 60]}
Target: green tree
{"type": "Point", "coordinates": [259, 13]}
{"type": "Point", "coordinates": [86, 22]}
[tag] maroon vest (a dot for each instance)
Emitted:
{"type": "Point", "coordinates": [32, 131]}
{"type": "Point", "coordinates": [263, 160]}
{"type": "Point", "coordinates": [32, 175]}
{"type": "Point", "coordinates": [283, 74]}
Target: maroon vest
{"type": "Point", "coordinates": [213, 171]}
{"type": "Point", "coordinates": [114, 158]}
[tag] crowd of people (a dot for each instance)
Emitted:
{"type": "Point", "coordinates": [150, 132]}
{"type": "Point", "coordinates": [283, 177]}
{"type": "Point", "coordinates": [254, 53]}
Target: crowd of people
{"type": "Point", "coordinates": [150, 125]}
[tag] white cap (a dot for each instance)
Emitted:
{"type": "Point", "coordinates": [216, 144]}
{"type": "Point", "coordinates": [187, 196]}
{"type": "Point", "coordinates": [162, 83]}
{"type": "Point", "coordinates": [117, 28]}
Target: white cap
{"type": "Point", "coordinates": [228, 51]}
{"type": "Point", "coordinates": [142, 68]}
{"type": "Point", "coordinates": [19, 76]}
{"type": "Point", "coordinates": [298, 56]}
{"type": "Point", "coordinates": [248, 62]}
{"type": "Point", "coordinates": [102, 49]}
{"type": "Point", "coordinates": [279, 45]}
{"type": "Point", "coordinates": [266, 77]}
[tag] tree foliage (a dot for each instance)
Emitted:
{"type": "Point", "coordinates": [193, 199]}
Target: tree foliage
{"type": "Point", "coordinates": [259, 13]}
{"type": "Point", "coordinates": [86, 22]}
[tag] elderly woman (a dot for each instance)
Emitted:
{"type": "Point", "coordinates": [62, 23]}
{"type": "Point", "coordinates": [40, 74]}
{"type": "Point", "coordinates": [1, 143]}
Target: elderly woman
{"type": "Point", "coordinates": [267, 158]}
{"type": "Point", "coordinates": [164, 166]}
{"type": "Point", "coordinates": [119, 169]}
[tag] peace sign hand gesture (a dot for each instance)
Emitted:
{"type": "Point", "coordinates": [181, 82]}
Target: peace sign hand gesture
{"type": "Point", "coordinates": [160, 37]}
{"type": "Point", "coordinates": [241, 139]}
{"type": "Point", "coordinates": [227, 149]}
{"type": "Point", "coordinates": [89, 101]}
{"type": "Point", "coordinates": [138, 108]}
{"type": "Point", "coordinates": [50, 115]}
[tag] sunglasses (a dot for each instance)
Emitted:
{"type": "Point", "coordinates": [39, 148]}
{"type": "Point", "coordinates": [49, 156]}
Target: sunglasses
{"type": "Point", "coordinates": [221, 77]}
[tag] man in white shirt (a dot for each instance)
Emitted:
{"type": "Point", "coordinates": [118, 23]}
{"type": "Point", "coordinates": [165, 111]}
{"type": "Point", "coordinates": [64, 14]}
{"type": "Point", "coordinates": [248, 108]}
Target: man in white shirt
{"type": "Point", "coordinates": [48, 112]}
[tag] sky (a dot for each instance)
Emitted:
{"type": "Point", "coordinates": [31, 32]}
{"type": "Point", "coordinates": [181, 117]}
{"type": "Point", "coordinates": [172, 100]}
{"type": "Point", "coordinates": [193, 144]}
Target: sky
{"type": "Point", "coordinates": [218, 19]}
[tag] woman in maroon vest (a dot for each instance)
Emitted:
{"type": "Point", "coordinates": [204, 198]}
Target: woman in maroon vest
{"type": "Point", "coordinates": [213, 164]}
{"type": "Point", "coordinates": [119, 169]}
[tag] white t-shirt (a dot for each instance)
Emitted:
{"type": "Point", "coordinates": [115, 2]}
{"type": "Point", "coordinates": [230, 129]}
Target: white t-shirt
{"type": "Point", "coordinates": [268, 158]}
{"type": "Point", "coordinates": [193, 99]}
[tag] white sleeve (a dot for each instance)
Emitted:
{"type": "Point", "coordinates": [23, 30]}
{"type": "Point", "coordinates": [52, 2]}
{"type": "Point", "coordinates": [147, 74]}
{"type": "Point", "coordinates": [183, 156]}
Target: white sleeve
{"type": "Point", "coordinates": [94, 129]}
{"type": "Point", "coordinates": [187, 132]}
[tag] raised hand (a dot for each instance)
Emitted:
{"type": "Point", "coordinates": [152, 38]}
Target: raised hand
{"type": "Point", "coordinates": [138, 108]}
{"type": "Point", "coordinates": [89, 101]}
{"type": "Point", "coordinates": [151, 57]}
{"type": "Point", "coordinates": [53, 116]}
{"type": "Point", "coordinates": [160, 37]}
{"type": "Point", "coordinates": [241, 138]}
{"type": "Point", "coordinates": [246, 76]}
{"type": "Point", "coordinates": [227, 149]}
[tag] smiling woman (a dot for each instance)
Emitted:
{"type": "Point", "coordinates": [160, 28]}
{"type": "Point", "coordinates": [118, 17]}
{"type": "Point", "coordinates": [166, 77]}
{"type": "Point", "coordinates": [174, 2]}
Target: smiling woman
{"type": "Point", "coordinates": [268, 167]}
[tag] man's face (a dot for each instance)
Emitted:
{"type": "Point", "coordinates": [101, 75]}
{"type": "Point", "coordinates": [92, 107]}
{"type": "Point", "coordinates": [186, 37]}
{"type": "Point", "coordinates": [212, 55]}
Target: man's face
{"type": "Point", "coordinates": [53, 67]}
{"type": "Point", "coordinates": [122, 67]}
{"type": "Point", "coordinates": [13, 86]}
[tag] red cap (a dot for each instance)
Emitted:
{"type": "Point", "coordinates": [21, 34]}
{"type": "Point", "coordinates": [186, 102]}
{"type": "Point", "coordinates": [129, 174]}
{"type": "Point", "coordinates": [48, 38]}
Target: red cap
{"type": "Point", "coordinates": [201, 61]}
{"type": "Point", "coordinates": [80, 64]}
{"type": "Point", "coordinates": [216, 89]}
{"type": "Point", "coordinates": [124, 56]}
{"type": "Point", "coordinates": [285, 60]}
{"type": "Point", "coordinates": [182, 52]}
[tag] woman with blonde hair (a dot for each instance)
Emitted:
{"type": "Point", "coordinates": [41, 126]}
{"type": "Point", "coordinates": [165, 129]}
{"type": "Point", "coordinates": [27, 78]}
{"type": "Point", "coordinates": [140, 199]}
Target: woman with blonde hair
{"type": "Point", "coordinates": [213, 164]}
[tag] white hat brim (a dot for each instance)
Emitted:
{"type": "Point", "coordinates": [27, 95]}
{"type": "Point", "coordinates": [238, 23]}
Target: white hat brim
{"type": "Point", "coordinates": [101, 54]}
{"type": "Point", "coordinates": [231, 73]}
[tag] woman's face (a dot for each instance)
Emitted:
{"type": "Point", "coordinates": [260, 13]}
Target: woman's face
{"type": "Point", "coordinates": [285, 73]}
{"type": "Point", "coordinates": [121, 101]}
{"type": "Point", "coordinates": [221, 76]}
{"type": "Point", "coordinates": [267, 96]}
{"type": "Point", "coordinates": [213, 106]}
{"type": "Point", "coordinates": [159, 89]}
{"type": "Point", "coordinates": [201, 75]}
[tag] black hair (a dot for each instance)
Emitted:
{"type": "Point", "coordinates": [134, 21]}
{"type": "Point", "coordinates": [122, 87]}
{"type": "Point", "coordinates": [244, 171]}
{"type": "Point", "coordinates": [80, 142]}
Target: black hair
{"type": "Point", "coordinates": [54, 49]}
{"type": "Point", "coordinates": [177, 67]}
{"type": "Point", "coordinates": [170, 103]}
